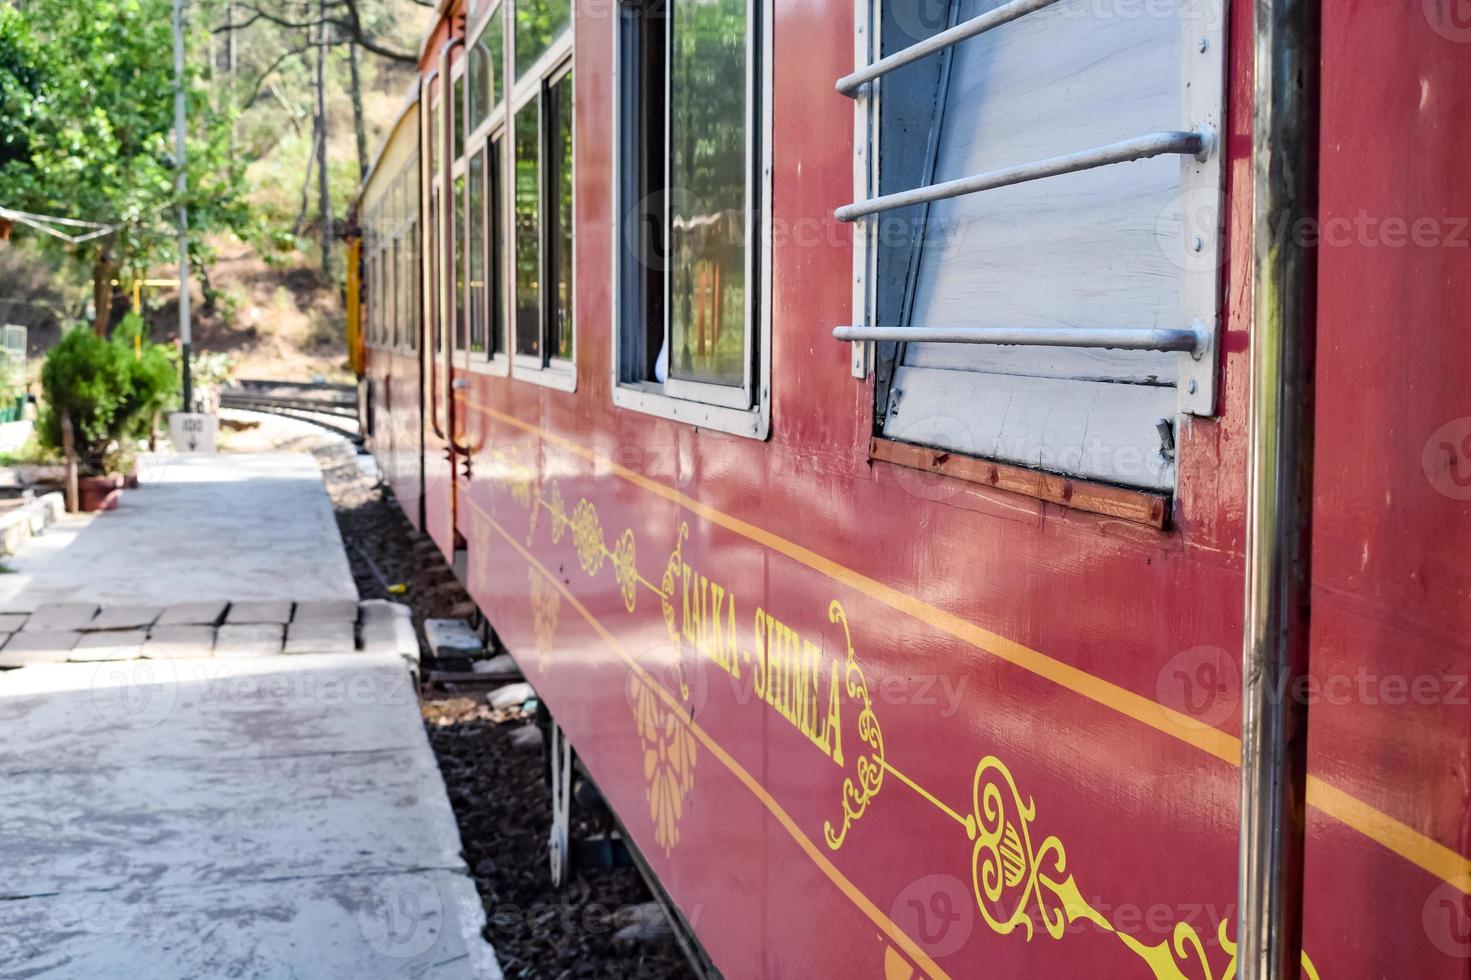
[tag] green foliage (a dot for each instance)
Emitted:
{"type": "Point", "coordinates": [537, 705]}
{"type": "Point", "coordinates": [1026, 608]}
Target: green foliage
{"type": "Point", "coordinates": [86, 106]}
{"type": "Point", "coordinates": [153, 380]}
{"type": "Point", "coordinates": [111, 390]}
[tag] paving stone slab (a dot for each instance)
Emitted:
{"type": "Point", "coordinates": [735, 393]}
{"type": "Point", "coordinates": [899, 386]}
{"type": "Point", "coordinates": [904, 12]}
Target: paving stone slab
{"type": "Point", "coordinates": [109, 645]}
{"type": "Point", "coordinates": [382, 610]}
{"type": "Point", "coordinates": [61, 616]}
{"type": "Point", "coordinates": [175, 642]}
{"type": "Point", "coordinates": [273, 611]}
{"type": "Point", "coordinates": [125, 618]}
{"type": "Point", "coordinates": [205, 613]}
{"type": "Point", "coordinates": [320, 637]}
{"type": "Point", "coordinates": [38, 647]}
{"type": "Point", "coordinates": [249, 639]}
{"type": "Point", "coordinates": [326, 611]}
{"type": "Point", "coordinates": [391, 634]}
{"type": "Point", "coordinates": [12, 622]}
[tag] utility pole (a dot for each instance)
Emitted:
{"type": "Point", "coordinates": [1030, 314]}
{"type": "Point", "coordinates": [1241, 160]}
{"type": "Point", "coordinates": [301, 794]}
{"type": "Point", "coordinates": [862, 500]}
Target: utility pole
{"type": "Point", "coordinates": [181, 185]}
{"type": "Point", "coordinates": [323, 188]}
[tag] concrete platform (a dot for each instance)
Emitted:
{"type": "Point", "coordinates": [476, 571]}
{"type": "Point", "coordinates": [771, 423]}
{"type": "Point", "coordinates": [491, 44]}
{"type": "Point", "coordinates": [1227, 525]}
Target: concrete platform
{"type": "Point", "coordinates": [234, 527]}
{"type": "Point", "coordinates": [184, 818]}
{"type": "Point", "coordinates": [196, 815]}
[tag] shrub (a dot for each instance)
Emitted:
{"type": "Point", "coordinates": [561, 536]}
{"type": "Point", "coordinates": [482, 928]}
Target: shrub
{"type": "Point", "coordinates": [111, 390]}
{"type": "Point", "coordinates": [85, 377]}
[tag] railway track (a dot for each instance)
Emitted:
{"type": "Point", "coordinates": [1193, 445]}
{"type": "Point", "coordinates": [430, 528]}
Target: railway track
{"type": "Point", "coordinates": [318, 403]}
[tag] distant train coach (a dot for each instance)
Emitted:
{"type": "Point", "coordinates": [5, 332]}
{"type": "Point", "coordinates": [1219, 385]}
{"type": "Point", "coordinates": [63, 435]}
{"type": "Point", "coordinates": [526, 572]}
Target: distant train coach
{"type": "Point", "coordinates": [981, 488]}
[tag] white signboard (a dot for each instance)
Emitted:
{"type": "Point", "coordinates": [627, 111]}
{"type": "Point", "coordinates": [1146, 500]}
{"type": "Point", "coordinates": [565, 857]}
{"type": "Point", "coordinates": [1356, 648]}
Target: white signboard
{"type": "Point", "coordinates": [192, 432]}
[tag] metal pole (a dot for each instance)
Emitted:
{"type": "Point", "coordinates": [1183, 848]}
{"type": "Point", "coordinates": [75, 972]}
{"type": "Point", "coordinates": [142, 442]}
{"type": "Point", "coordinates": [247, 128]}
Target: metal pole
{"type": "Point", "coordinates": [181, 185]}
{"type": "Point", "coordinates": [1279, 491]}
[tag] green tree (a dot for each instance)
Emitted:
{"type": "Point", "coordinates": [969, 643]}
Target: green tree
{"type": "Point", "coordinates": [86, 106]}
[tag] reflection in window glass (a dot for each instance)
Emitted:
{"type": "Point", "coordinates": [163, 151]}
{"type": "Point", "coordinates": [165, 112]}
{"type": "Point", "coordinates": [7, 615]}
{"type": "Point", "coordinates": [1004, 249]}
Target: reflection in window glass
{"type": "Point", "coordinates": [528, 228]}
{"type": "Point", "coordinates": [496, 269]}
{"type": "Point", "coordinates": [391, 284]}
{"type": "Point", "coordinates": [494, 41]}
{"type": "Point", "coordinates": [707, 134]}
{"type": "Point", "coordinates": [475, 252]}
{"type": "Point", "coordinates": [559, 339]}
{"type": "Point", "coordinates": [458, 255]}
{"type": "Point", "coordinates": [432, 273]}
{"type": "Point", "coordinates": [477, 73]}
{"type": "Point", "coordinates": [538, 23]}
{"type": "Point", "coordinates": [457, 112]}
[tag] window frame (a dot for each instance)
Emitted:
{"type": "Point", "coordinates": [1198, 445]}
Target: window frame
{"type": "Point", "coordinates": [745, 410]}
{"type": "Point", "coordinates": [535, 84]}
{"type": "Point", "coordinates": [495, 360]}
{"type": "Point", "coordinates": [1203, 32]}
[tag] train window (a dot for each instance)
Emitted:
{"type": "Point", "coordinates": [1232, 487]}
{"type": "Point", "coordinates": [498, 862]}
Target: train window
{"type": "Point", "coordinates": [692, 156]}
{"type": "Point", "coordinates": [475, 252]}
{"type": "Point", "coordinates": [541, 186]}
{"type": "Point", "coordinates": [457, 329]}
{"type": "Point", "coordinates": [559, 208]}
{"type": "Point", "coordinates": [483, 244]}
{"type": "Point", "coordinates": [528, 229]}
{"type": "Point", "coordinates": [538, 24]}
{"type": "Point", "coordinates": [1025, 206]}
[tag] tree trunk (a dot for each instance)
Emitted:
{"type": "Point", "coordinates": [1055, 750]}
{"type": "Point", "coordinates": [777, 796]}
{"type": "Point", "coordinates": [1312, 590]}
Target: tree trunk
{"type": "Point", "coordinates": [360, 130]}
{"type": "Point", "coordinates": [69, 453]}
{"type": "Point", "coordinates": [211, 298]}
{"type": "Point", "coordinates": [103, 269]}
{"type": "Point", "coordinates": [324, 195]}
{"type": "Point", "coordinates": [306, 182]}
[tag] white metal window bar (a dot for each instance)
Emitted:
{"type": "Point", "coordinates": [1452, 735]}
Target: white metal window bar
{"type": "Point", "coordinates": [980, 24]}
{"type": "Point", "coordinates": [1190, 144]}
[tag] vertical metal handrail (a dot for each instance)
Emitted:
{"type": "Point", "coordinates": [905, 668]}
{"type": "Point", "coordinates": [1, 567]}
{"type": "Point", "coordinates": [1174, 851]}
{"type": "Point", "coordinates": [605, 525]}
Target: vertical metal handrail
{"type": "Point", "coordinates": [1279, 492]}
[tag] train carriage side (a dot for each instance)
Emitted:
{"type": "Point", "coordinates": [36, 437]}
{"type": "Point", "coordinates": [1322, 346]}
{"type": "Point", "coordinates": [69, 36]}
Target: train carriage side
{"type": "Point", "coordinates": [922, 658]}
{"type": "Point", "coordinates": [388, 220]}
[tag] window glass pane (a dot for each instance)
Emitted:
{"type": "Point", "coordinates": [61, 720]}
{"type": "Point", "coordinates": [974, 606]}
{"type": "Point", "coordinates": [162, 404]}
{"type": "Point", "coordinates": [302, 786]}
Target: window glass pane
{"type": "Point", "coordinates": [477, 72]}
{"type": "Point", "coordinates": [457, 111]}
{"type": "Point", "coordinates": [433, 273]}
{"type": "Point", "coordinates": [708, 173]}
{"type": "Point", "coordinates": [538, 23]}
{"type": "Point", "coordinates": [528, 229]}
{"type": "Point", "coordinates": [459, 259]}
{"type": "Point", "coordinates": [390, 283]}
{"type": "Point", "coordinates": [495, 43]}
{"type": "Point", "coordinates": [497, 250]}
{"type": "Point", "coordinates": [476, 252]}
{"type": "Point", "coordinates": [559, 341]}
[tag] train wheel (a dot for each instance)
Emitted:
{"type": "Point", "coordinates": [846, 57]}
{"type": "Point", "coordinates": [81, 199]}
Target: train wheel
{"type": "Point", "coordinates": [559, 844]}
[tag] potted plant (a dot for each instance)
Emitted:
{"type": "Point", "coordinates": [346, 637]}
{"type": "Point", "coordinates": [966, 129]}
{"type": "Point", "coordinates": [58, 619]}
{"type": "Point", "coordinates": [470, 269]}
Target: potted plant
{"type": "Point", "coordinates": [105, 392]}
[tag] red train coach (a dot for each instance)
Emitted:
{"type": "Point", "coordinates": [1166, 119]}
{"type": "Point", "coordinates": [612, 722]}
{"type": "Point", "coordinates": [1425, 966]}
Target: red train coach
{"type": "Point", "coordinates": [863, 422]}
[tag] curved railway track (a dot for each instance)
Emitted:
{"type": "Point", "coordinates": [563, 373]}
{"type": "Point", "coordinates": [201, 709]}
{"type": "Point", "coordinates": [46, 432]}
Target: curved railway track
{"type": "Point", "coordinates": [316, 402]}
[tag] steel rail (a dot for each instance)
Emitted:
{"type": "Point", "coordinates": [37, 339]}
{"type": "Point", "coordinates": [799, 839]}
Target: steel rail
{"type": "Point", "coordinates": [1279, 498]}
{"type": "Point", "coordinates": [1192, 340]}
{"type": "Point", "coordinates": [1183, 143]}
{"type": "Point", "coordinates": [1004, 14]}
